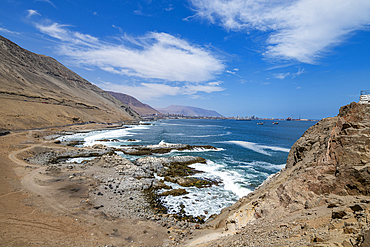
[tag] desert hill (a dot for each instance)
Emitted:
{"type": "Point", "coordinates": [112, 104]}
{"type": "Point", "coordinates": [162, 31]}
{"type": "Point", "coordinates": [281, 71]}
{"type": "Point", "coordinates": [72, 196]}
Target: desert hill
{"type": "Point", "coordinates": [139, 107]}
{"type": "Point", "coordinates": [37, 91]}
{"type": "Point", "coordinates": [188, 111]}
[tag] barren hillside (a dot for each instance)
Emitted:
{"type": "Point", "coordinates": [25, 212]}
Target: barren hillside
{"type": "Point", "coordinates": [38, 91]}
{"type": "Point", "coordinates": [139, 107]}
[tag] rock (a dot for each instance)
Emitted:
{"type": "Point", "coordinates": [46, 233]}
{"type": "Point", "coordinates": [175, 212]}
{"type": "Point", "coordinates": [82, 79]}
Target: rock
{"type": "Point", "coordinates": [356, 207]}
{"type": "Point", "coordinates": [175, 192]}
{"type": "Point", "coordinates": [160, 148]}
{"type": "Point", "coordinates": [338, 214]}
{"type": "Point", "coordinates": [307, 204]}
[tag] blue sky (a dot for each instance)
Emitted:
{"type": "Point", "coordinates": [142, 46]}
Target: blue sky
{"type": "Point", "coordinates": [298, 58]}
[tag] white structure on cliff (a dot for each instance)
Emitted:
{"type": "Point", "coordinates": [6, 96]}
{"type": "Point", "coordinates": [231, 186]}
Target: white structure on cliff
{"type": "Point", "coordinates": [364, 97]}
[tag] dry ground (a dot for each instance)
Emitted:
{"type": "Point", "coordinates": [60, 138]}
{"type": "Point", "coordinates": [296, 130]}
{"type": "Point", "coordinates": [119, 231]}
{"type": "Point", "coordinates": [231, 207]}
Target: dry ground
{"type": "Point", "coordinates": [45, 210]}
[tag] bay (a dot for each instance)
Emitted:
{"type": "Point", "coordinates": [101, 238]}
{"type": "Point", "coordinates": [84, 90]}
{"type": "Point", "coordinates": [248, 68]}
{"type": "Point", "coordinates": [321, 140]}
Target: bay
{"type": "Point", "coordinates": [246, 155]}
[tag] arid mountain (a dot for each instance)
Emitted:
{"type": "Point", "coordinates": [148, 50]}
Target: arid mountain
{"type": "Point", "coordinates": [38, 91]}
{"type": "Point", "coordinates": [139, 107]}
{"type": "Point", "coordinates": [188, 111]}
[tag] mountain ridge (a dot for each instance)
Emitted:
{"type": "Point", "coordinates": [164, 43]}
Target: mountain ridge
{"type": "Point", "coordinates": [138, 106]}
{"type": "Point", "coordinates": [188, 111]}
{"type": "Point", "coordinates": [28, 79]}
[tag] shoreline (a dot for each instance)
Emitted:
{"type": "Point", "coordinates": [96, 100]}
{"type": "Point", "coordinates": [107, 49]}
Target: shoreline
{"type": "Point", "coordinates": [36, 198]}
{"type": "Point", "coordinates": [61, 205]}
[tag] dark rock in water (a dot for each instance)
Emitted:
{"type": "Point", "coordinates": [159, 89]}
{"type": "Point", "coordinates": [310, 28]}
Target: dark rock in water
{"type": "Point", "coordinates": [190, 181]}
{"type": "Point", "coordinates": [175, 192]}
{"type": "Point", "coordinates": [108, 140]}
{"type": "Point", "coordinates": [161, 148]}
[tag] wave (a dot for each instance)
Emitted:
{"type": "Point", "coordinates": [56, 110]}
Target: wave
{"type": "Point", "coordinates": [193, 125]}
{"type": "Point", "coordinates": [257, 147]}
{"type": "Point", "coordinates": [231, 179]}
{"type": "Point", "coordinates": [205, 136]}
{"type": "Point", "coordinates": [93, 137]}
{"type": "Point", "coordinates": [197, 150]}
{"type": "Point", "coordinates": [265, 165]}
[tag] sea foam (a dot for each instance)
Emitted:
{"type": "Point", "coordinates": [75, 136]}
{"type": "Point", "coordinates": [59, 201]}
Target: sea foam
{"type": "Point", "coordinates": [257, 147]}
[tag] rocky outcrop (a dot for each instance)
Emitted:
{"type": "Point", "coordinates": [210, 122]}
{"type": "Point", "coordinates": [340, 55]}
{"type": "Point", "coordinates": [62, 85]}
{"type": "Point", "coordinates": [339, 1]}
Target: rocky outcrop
{"type": "Point", "coordinates": [326, 182]}
{"type": "Point", "coordinates": [161, 148]}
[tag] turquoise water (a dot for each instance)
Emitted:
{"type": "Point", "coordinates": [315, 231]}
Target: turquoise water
{"type": "Point", "coordinates": [246, 154]}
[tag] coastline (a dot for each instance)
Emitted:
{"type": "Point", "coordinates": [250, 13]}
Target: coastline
{"type": "Point", "coordinates": [38, 209]}
{"type": "Point", "coordinates": [64, 204]}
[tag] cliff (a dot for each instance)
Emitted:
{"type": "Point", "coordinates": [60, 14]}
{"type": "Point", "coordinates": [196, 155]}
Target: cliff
{"type": "Point", "coordinates": [37, 91]}
{"type": "Point", "coordinates": [136, 105]}
{"type": "Point", "coordinates": [321, 197]}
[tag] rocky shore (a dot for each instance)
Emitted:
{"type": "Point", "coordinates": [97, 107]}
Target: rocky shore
{"type": "Point", "coordinates": [129, 189]}
{"type": "Point", "coordinates": [321, 197]}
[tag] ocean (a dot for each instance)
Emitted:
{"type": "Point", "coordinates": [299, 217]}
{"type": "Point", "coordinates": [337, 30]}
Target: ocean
{"type": "Point", "coordinates": [246, 155]}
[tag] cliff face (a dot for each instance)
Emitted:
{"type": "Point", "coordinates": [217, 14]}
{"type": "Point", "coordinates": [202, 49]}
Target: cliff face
{"type": "Point", "coordinates": [37, 91]}
{"type": "Point", "coordinates": [325, 185]}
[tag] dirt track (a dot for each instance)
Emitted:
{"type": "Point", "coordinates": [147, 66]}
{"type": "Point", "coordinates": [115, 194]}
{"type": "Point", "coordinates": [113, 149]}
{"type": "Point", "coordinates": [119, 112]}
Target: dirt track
{"type": "Point", "coordinates": [37, 208]}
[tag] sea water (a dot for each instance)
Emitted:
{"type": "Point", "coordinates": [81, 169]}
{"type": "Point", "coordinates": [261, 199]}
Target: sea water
{"type": "Point", "coordinates": [246, 155]}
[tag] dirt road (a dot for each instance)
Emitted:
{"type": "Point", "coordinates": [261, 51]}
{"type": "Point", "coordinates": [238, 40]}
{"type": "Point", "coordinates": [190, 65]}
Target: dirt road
{"type": "Point", "coordinates": [37, 208]}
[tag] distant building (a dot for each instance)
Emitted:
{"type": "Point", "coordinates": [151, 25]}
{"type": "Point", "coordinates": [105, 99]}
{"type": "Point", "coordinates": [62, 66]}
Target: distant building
{"type": "Point", "coordinates": [364, 97]}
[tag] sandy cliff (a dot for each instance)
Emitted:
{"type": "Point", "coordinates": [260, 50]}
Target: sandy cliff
{"type": "Point", "coordinates": [37, 91]}
{"type": "Point", "coordinates": [321, 197]}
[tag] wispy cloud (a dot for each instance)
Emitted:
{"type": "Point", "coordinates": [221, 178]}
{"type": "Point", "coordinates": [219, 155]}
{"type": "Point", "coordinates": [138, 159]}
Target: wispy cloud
{"type": "Point", "coordinates": [49, 2]}
{"type": "Point", "coordinates": [302, 30]}
{"type": "Point", "coordinates": [4, 30]}
{"type": "Point", "coordinates": [282, 75]}
{"type": "Point", "coordinates": [153, 56]}
{"type": "Point", "coordinates": [150, 91]}
{"type": "Point", "coordinates": [293, 75]}
{"type": "Point", "coordinates": [32, 12]}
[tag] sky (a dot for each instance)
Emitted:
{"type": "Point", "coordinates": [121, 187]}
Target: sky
{"type": "Point", "coordinates": [297, 58]}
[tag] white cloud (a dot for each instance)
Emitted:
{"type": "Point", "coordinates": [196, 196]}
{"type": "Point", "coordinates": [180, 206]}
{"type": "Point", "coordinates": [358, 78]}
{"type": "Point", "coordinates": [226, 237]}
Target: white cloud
{"type": "Point", "coordinates": [150, 91]}
{"type": "Point", "coordinates": [293, 75]}
{"type": "Point", "coordinates": [300, 30]}
{"type": "Point", "coordinates": [4, 30]}
{"type": "Point", "coordinates": [32, 12]}
{"type": "Point", "coordinates": [281, 75]}
{"type": "Point", "coordinates": [48, 1]}
{"type": "Point", "coordinates": [231, 72]}
{"type": "Point", "coordinates": [154, 56]}
{"type": "Point", "coordinates": [299, 72]}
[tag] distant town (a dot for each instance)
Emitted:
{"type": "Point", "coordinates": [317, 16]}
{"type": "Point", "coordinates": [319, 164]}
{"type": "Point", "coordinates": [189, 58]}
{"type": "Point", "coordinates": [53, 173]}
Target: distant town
{"type": "Point", "coordinates": [237, 118]}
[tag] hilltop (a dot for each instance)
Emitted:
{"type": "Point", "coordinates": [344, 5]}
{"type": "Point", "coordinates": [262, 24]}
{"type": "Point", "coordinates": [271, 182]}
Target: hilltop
{"type": "Point", "coordinates": [188, 111]}
{"type": "Point", "coordinates": [38, 91]}
{"type": "Point", "coordinates": [136, 105]}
